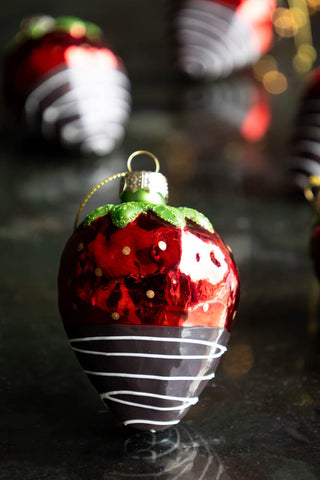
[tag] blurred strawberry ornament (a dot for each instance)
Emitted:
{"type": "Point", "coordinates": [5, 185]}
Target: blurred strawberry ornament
{"type": "Point", "coordinates": [147, 294]}
{"type": "Point", "coordinates": [214, 38]}
{"type": "Point", "coordinates": [62, 81]}
{"type": "Point", "coordinates": [305, 153]}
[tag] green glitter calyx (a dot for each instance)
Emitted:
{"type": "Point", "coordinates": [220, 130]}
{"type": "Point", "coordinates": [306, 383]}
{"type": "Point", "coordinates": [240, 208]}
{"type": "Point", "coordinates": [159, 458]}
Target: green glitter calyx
{"type": "Point", "coordinates": [125, 213]}
{"type": "Point", "coordinates": [37, 26]}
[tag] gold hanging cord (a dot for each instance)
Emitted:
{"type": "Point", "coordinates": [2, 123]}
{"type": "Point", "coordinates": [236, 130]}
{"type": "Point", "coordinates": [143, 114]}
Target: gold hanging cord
{"type": "Point", "coordinates": [114, 177]}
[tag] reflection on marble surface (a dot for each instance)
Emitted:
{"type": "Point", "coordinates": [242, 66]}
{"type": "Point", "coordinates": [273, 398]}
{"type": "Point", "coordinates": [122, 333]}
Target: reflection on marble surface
{"type": "Point", "coordinates": [180, 452]}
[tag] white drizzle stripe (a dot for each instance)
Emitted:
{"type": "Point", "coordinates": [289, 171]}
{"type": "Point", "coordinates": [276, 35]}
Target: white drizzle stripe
{"type": "Point", "coordinates": [146, 338]}
{"type": "Point", "coordinates": [151, 377]}
{"type": "Point", "coordinates": [171, 422]}
{"type": "Point", "coordinates": [61, 78]}
{"type": "Point", "coordinates": [186, 401]}
{"type": "Point", "coordinates": [151, 355]}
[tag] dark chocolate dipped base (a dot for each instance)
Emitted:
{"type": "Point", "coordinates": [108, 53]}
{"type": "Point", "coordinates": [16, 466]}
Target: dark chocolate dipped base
{"type": "Point", "coordinates": [148, 376]}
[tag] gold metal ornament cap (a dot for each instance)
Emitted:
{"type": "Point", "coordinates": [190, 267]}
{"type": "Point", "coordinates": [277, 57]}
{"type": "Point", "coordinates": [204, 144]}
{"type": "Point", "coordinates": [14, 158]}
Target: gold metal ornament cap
{"type": "Point", "coordinates": [144, 186]}
{"type": "Point", "coordinates": [136, 186]}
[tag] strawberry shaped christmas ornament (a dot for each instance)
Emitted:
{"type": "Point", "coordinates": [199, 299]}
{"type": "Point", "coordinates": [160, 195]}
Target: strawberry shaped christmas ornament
{"type": "Point", "coordinates": [312, 194]}
{"type": "Point", "coordinates": [213, 38]}
{"type": "Point", "coordinates": [147, 294]}
{"type": "Point", "coordinates": [306, 137]}
{"type": "Point", "coordinates": [62, 81]}
{"type": "Point", "coordinates": [306, 157]}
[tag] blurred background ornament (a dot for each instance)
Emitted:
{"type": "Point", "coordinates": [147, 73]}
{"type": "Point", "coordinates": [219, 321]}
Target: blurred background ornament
{"type": "Point", "coordinates": [306, 156]}
{"type": "Point", "coordinates": [148, 294]}
{"type": "Point", "coordinates": [214, 38]}
{"type": "Point", "coordinates": [237, 107]}
{"type": "Point", "coordinates": [66, 85]}
{"type": "Point", "coordinates": [306, 139]}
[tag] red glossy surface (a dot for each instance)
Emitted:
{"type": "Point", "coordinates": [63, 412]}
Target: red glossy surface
{"type": "Point", "coordinates": [29, 62]}
{"type": "Point", "coordinates": [258, 117]}
{"type": "Point", "coordinates": [148, 273]}
{"type": "Point", "coordinates": [257, 14]}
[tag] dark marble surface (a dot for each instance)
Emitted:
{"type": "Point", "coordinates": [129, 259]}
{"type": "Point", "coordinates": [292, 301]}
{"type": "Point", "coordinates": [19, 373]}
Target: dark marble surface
{"type": "Point", "coordinates": [259, 419]}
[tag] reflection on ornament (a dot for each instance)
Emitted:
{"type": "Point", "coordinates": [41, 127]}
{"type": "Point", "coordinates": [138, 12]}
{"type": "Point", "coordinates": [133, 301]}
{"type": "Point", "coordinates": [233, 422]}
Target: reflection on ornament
{"type": "Point", "coordinates": [175, 453]}
{"type": "Point", "coordinates": [150, 328]}
{"type": "Point", "coordinates": [67, 85]}
{"type": "Point", "coordinates": [213, 38]}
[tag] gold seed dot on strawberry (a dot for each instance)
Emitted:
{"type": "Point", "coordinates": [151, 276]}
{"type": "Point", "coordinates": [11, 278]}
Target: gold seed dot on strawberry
{"type": "Point", "coordinates": [111, 279]}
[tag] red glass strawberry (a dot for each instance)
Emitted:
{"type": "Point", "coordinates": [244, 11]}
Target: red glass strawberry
{"type": "Point", "coordinates": [213, 38]}
{"type": "Point", "coordinates": [67, 86]}
{"type": "Point", "coordinates": [147, 294]}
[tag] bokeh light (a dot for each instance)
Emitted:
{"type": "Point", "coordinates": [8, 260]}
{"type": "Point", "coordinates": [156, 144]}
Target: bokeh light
{"type": "Point", "coordinates": [263, 66]}
{"type": "Point", "coordinates": [287, 21]}
{"type": "Point", "coordinates": [275, 82]}
{"type": "Point", "coordinates": [304, 58]}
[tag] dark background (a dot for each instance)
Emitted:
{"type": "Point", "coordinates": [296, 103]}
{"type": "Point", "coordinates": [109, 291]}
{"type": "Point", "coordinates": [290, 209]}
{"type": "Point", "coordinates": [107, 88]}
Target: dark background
{"type": "Point", "coordinates": [259, 419]}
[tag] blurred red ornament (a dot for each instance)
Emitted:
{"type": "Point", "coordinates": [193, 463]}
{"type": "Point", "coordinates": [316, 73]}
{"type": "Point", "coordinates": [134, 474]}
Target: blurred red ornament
{"type": "Point", "coordinates": [153, 283]}
{"type": "Point", "coordinates": [67, 86]}
{"type": "Point", "coordinates": [237, 105]}
{"type": "Point", "coordinates": [213, 38]}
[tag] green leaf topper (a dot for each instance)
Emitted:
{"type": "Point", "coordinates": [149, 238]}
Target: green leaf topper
{"type": "Point", "coordinates": [127, 212]}
{"type": "Point", "coordinates": [36, 27]}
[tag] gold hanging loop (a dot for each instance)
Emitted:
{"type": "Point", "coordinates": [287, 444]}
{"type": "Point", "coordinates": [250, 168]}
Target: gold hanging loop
{"type": "Point", "coordinates": [143, 152]}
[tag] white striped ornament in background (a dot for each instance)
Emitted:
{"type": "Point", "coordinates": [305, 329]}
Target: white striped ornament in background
{"type": "Point", "coordinates": [306, 143]}
{"type": "Point", "coordinates": [216, 350]}
{"type": "Point", "coordinates": [211, 40]}
{"type": "Point", "coordinates": [83, 108]}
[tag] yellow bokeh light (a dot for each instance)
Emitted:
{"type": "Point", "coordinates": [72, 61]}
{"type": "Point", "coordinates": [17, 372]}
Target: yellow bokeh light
{"type": "Point", "coordinates": [263, 66]}
{"type": "Point", "coordinates": [308, 50]}
{"type": "Point", "coordinates": [288, 21]}
{"type": "Point", "coordinates": [275, 82]}
{"type": "Point", "coordinates": [314, 4]}
{"type": "Point", "coordinates": [299, 17]}
{"type": "Point", "coordinates": [304, 58]}
{"type": "Point", "coordinates": [284, 22]}
{"type": "Point", "coordinates": [302, 63]}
